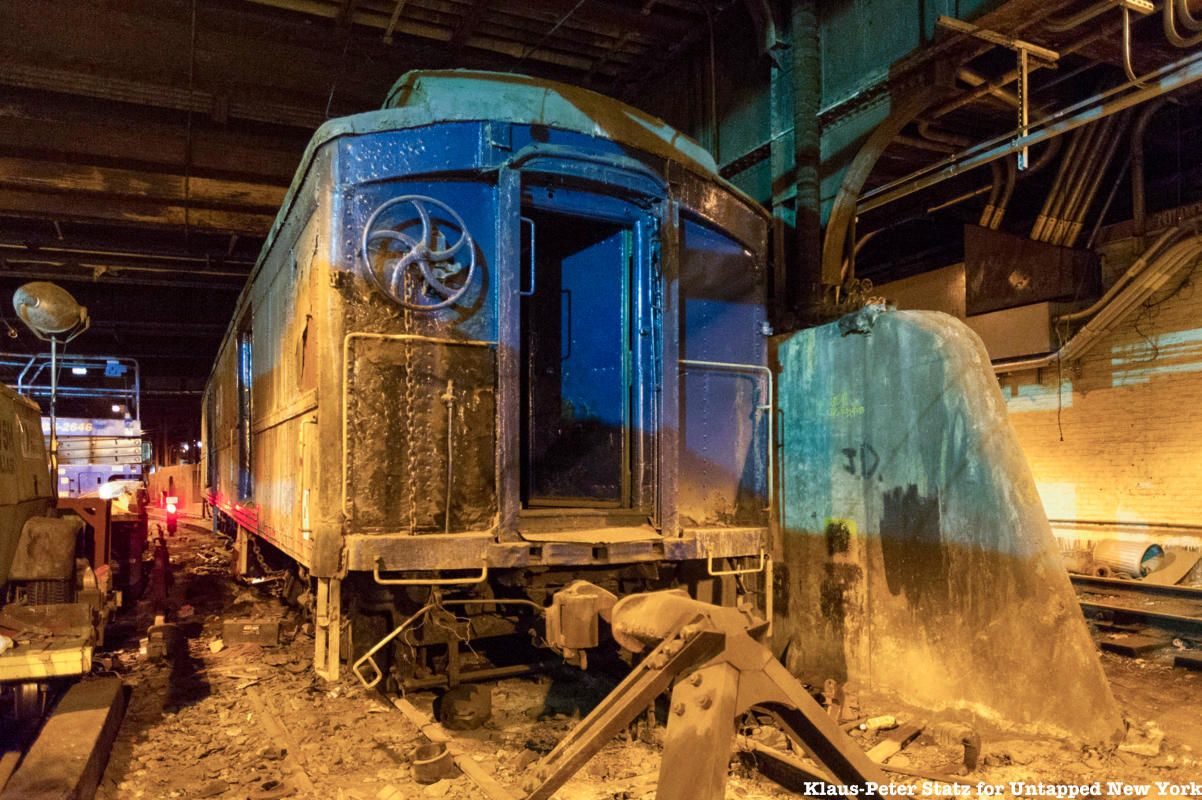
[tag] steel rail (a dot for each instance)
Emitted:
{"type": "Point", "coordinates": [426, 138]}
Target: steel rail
{"type": "Point", "coordinates": [1172, 621]}
{"type": "Point", "coordinates": [1169, 590]}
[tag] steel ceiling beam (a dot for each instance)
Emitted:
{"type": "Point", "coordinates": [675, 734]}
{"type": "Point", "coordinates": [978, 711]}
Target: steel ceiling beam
{"type": "Point", "coordinates": [1163, 81]}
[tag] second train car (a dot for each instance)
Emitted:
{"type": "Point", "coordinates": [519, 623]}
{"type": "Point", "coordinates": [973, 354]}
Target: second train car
{"type": "Point", "coordinates": [505, 334]}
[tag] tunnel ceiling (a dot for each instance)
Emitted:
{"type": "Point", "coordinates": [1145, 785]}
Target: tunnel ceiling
{"type": "Point", "coordinates": [924, 230]}
{"type": "Point", "coordinates": [145, 145]}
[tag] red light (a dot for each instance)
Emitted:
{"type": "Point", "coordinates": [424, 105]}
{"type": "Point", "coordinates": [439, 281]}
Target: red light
{"type": "Point", "coordinates": [171, 508]}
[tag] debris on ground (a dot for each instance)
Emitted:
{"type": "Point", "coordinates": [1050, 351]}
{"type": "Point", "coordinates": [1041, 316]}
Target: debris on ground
{"type": "Point", "coordinates": [242, 715]}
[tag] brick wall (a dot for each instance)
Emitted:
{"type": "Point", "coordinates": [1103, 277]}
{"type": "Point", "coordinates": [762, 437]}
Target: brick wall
{"type": "Point", "coordinates": [1119, 436]}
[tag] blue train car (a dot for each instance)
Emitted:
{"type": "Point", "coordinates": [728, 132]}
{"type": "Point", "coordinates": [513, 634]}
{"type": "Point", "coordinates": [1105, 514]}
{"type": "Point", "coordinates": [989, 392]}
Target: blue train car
{"type": "Point", "coordinates": [504, 334]}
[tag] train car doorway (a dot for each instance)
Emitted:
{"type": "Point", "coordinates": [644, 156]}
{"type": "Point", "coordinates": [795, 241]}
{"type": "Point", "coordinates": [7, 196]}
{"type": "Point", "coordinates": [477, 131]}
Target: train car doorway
{"type": "Point", "coordinates": [576, 383]}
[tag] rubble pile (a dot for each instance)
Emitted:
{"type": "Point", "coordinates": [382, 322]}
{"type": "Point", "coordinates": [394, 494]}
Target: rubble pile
{"type": "Point", "coordinates": [225, 704]}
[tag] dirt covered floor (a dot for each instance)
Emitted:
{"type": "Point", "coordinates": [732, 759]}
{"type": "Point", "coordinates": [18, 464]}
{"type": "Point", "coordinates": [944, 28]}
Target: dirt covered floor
{"type": "Point", "coordinates": [227, 720]}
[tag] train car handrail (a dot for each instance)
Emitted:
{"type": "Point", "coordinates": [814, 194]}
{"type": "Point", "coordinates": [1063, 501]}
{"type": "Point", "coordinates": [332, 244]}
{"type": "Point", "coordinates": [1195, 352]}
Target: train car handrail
{"type": "Point", "coordinates": [408, 338]}
{"type": "Point", "coordinates": [470, 581]}
{"type": "Point", "coordinates": [768, 407]}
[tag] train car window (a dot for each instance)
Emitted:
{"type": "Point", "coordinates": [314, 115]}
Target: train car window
{"type": "Point", "coordinates": [210, 449]}
{"type": "Point", "coordinates": [245, 379]}
{"type": "Point", "coordinates": [723, 453]}
{"type": "Point", "coordinates": [575, 385]}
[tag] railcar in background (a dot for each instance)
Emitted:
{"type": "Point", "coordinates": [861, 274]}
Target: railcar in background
{"type": "Point", "coordinates": [505, 334]}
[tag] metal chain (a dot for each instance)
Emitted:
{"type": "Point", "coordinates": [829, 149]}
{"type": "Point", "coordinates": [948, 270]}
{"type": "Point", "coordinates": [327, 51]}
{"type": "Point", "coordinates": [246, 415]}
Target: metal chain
{"type": "Point", "coordinates": [411, 440]}
{"type": "Point", "coordinates": [268, 572]}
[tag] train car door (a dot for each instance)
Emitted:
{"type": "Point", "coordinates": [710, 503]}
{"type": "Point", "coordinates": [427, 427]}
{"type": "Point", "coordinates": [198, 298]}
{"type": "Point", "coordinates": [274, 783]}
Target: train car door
{"type": "Point", "coordinates": [585, 414]}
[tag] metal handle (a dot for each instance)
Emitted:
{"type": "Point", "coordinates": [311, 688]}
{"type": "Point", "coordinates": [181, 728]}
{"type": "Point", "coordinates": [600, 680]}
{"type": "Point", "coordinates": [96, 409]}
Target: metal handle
{"type": "Point", "coordinates": [481, 578]}
{"type": "Point", "coordinates": [709, 565]}
{"type": "Point", "coordinates": [367, 657]}
{"type": "Point", "coordinates": [533, 273]}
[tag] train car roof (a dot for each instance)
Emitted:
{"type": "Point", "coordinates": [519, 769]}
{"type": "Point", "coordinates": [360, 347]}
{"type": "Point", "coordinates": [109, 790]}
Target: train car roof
{"type": "Point", "coordinates": [430, 96]}
{"type": "Point", "coordinates": [427, 97]}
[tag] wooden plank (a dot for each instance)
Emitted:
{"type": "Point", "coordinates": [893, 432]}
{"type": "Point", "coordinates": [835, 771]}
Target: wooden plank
{"type": "Point", "coordinates": [69, 755]}
{"type": "Point", "coordinates": [130, 211]}
{"type": "Point", "coordinates": [1188, 661]}
{"type": "Point", "coordinates": [276, 732]}
{"type": "Point", "coordinates": [894, 741]}
{"type": "Point", "coordinates": [1176, 565]}
{"type": "Point", "coordinates": [1132, 645]}
{"type": "Point", "coordinates": [48, 123]}
{"type": "Point", "coordinates": [36, 175]}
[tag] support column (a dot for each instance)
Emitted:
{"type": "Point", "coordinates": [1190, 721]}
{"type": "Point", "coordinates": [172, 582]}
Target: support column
{"type": "Point", "coordinates": [805, 284]}
{"type": "Point", "coordinates": [328, 628]}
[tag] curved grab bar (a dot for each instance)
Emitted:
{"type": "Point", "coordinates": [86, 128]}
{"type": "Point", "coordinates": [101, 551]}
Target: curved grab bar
{"type": "Point", "coordinates": [481, 578]}
{"type": "Point", "coordinates": [709, 565]}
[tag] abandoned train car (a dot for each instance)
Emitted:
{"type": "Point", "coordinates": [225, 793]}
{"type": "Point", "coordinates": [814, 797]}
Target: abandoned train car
{"type": "Point", "coordinates": [504, 334]}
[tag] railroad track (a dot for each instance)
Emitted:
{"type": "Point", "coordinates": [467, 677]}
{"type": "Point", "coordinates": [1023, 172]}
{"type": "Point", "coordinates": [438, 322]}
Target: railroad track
{"type": "Point", "coordinates": [1177, 609]}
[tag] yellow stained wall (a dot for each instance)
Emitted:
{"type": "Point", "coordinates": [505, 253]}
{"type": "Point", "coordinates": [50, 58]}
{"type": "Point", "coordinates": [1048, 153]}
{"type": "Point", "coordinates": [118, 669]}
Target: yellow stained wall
{"type": "Point", "coordinates": [1118, 437]}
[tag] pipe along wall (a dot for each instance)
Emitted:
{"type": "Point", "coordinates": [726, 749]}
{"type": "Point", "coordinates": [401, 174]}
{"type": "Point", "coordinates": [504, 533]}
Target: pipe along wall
{"type": "Point", "coordinates": [914, 558]}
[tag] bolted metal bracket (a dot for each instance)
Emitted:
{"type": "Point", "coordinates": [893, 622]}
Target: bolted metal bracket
{"type": "Point", "coordinates": [1024, 52]}
{"type": "Point", "coordinates": [720, 669]}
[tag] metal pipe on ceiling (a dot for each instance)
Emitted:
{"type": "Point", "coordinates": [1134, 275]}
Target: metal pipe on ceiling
{"type": "Point", "coordinates": [1167, 79]}
{"type": "Point", "coordinates": [1072, 178]}
{"type": "Point", "coordinates": [1168, 12]}
{"type": "Point", "coordinates": [995, 192]}
{"type": "Point", "coordinates": [1077, 221]}
{"type": "Point", "coordinates": [1045, 158]}
{"type": "Point", "coordinates": [1132, 271]}
{"type": "Point", "coordinates": [1070, 156]}
{"type": "Point", "coordinates": [1114, 188]}
{"type": "Point", "coordinates": [1092, 163]}
{"type": "Point", "coordinates": [1139, 208]}
{"type": "Point", "coordinates": [1187, 18]}
{"type": "Point", "coordinates": [1011, 179]}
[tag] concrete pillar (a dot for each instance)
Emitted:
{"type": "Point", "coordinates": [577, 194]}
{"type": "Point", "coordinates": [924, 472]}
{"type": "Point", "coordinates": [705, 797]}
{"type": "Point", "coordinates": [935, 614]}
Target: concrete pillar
{"type": "Point", "coordinates": [914, 559]}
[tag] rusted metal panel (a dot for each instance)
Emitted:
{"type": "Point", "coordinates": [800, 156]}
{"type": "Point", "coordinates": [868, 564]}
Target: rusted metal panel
{"type": "Point", "coordinates": [724, 420]}
{"type": "Point", "coordinates": [405, 442]}
{"type": "Point", "coordinates": [1003, 271]}
{"type": "Point", "coordinates": [468, 551]}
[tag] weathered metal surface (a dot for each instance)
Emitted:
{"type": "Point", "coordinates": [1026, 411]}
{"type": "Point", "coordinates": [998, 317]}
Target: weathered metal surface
{"type": "Point", "coordinates": [25, 489]}
{"type": "Point", "coordinates": [724, 419]}
{"type": "Point", "coordinates": [719, 668]}
{"type": "Point", "coordinates": [375, 383]}
{"type": "Point", "coordinates": [914, 557]}
{"type": "Point", "coordinates": [467, 551]}
{"type": "Point", "coordinates": [46, 549]}
{"type": "Point", "coordinates": [1004, 271]}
